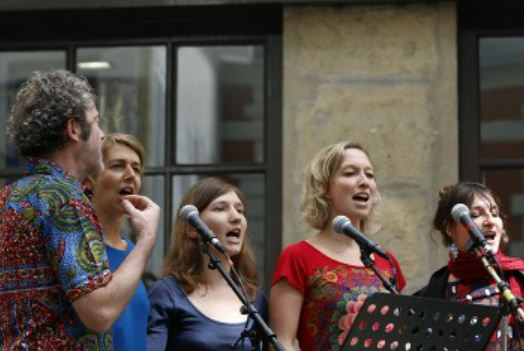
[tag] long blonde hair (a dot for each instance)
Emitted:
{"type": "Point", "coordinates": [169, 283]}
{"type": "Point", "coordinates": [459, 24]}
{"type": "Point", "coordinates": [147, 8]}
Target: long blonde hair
{"type": "Point", "coordinates": [183, 257]}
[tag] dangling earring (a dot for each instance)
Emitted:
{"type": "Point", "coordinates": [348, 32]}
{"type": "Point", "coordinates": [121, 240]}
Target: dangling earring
{"type": "Point", "coordinates": [453, 251]}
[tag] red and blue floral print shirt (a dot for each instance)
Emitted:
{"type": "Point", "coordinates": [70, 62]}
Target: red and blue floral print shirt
{"type": "Point", "coordinates": [327, 286]}
{"type": "Point", "coordinates": [51, 253]}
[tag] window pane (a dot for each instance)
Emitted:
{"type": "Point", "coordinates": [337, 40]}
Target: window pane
{"type": "Point", "coordinates": [509, 186]}
{"type": "Point", "coordinates": [154, 188]}
{"type": "Point", "coordinates": [502, 97]}
{"type": "Point", "coordinates": [220, 104]}
{"type": "Point", "coordinates": [15, 68]}
{"type": "Point", "coordinates": [130, 83]}
{"type": "Point", "coordinates": [252, 185]}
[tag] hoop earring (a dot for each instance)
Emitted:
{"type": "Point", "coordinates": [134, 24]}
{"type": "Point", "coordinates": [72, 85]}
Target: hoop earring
{"type": "Point", "coordinates": [453, 251]}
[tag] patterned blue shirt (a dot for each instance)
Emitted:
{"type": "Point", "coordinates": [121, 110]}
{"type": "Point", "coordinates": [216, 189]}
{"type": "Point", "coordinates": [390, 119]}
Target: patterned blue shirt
{"type": "Point", "coordinates": [51, 253]}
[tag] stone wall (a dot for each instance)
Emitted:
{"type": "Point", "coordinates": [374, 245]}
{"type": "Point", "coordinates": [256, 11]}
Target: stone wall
{"type": "Point", "coordinates": [385, 76]}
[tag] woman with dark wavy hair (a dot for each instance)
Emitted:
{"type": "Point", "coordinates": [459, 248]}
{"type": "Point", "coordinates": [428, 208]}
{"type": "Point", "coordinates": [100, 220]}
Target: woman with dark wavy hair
{"type": "Point", "coordinates": [192, 307]}
{"type": "Point", "coordinates": [464, 278]}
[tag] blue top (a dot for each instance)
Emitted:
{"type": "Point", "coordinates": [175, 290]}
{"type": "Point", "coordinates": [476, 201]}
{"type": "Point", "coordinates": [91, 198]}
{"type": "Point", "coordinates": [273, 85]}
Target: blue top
{"type": "Point", "coordinates": [129, 330]}
{"type": "Point", "coordinates": [176, 324]}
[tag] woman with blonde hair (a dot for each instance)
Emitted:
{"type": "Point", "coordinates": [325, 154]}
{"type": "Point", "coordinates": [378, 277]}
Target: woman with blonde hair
{"type": "Point", "coordinates": [192, 306]}
{"type": "Point", "coordinates": [315, 279]}
{"type": "Point", "coordinates": [123, 158]}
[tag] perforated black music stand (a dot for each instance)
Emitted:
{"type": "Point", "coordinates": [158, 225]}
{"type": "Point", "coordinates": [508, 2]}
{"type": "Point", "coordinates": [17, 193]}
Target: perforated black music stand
{"type": "Point", "coordinates": [412, 323]}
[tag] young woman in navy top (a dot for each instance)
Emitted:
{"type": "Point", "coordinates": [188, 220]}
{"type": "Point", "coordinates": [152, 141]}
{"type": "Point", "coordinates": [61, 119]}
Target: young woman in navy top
{"type": "Point", "coordinates": [192, 307]}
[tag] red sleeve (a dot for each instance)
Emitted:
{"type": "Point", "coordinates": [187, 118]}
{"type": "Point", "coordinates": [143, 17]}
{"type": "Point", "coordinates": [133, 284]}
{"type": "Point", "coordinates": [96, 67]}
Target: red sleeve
{"type": "Point", "coordinates": [401, 281]}
{"type": "Point", "coordinates": [290, 266]}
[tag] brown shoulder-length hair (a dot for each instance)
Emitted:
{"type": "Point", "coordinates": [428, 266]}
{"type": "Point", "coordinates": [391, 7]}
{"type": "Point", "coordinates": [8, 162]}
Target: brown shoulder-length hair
{"type": "Point", "coordinates": [461, 193]}
{"type": "Point", "coordinates": [320, 172]}
{"type": "Point", "coordinates": [183, 259]}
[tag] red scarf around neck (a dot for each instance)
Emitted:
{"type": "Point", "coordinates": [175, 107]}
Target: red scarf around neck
{"type": "Point", "coordinates": [467, 266]}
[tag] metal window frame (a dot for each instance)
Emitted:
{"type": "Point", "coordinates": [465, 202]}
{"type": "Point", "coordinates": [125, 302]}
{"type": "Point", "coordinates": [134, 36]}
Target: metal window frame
{"type": "Point", "coordinates": [480, 19]}
{"type": "Point", "coordinates": [222, 25]}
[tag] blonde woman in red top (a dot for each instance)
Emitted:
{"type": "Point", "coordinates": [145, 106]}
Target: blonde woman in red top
{"type": "Point", "coordinates": [316, 278]}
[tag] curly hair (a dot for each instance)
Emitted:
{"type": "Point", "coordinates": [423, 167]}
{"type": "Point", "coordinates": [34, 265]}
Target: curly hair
{"type": "Point", "coordinates": [42, 107]}
{"type": "Point", "coordinates": [183, 257]}
{"type": "Point", "coordinates": [323, 167]}
{"type": "Point", "coordinates": [462, 192]}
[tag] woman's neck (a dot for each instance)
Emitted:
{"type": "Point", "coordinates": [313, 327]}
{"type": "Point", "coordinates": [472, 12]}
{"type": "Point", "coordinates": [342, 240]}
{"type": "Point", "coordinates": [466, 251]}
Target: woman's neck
{"type": "Point", "coordinates": [112, 227]}
{"type": "Point", "coordinates": [336, 246]}
{"type": "Point", "coordinates": [334, 239]}
{"type": "Point", "coordinates": [356, 222]}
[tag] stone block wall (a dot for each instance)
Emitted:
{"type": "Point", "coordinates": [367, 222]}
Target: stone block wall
{"type": "Point", "coordinates": [385, 76]}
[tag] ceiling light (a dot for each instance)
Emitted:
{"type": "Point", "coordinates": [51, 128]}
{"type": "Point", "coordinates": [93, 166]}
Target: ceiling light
{"type": "Point", "coordinates": [93, 65]}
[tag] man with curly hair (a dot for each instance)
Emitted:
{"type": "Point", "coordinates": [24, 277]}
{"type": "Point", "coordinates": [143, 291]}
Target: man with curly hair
{"type": "Point", "coordinates": [56, 289]}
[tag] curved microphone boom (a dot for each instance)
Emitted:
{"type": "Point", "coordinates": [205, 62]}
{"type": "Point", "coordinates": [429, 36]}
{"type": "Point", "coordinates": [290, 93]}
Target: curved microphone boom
{"type": "Point", "coordinates": [190, 214]}
{"type": "Point", "coordinates": [342, 225]}
{"type": "Point", "coordinates": [460, 213]}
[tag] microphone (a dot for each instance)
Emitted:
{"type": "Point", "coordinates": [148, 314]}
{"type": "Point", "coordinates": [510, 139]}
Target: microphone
{"type": "Point", "coordinates": [189, 213]}
{"type": "Point", "coordinates": [460, 213]}
{"type": "Point", "coordinates": [343, 225]}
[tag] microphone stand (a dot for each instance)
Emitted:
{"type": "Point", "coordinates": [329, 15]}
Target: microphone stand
{"type": "Point", "coordinates": [365, 257]}
{"type": "Point", "coordinates": [508, 302]}
{"type": "Point", "coordinates": [247, 308]}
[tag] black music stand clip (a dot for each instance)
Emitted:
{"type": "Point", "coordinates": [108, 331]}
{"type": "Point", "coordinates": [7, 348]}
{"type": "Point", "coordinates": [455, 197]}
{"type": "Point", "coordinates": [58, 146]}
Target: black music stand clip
{"type": "Point", "coordinates": [412, 323]}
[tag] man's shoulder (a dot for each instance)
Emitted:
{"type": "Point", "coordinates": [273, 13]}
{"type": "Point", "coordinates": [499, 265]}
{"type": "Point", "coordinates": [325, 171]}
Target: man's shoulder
{"type": "Point", "coordinates": [43, 189]}
{"type": "Point", "coordinates": [48, 185]}
{"type": "Point", "coordinates": [39, 182]}
{"type": "Point", "coordinates": [59, 186]}
{"type": "Point", "coordinates": [20, 190]}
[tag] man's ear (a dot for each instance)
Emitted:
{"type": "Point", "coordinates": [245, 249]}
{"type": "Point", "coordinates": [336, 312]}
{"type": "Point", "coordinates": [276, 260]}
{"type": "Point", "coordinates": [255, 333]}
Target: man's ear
{"type": "Point", "coordinates": [73, 129]}
{"type": "Point", "coordinates": [89, 183]}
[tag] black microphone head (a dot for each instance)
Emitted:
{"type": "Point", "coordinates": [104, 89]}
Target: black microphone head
{"type": "Point", "coordinates": [458, 211]}
{"type": "Point", "coordinates": [339, 222]}
{"type": "Point", "coordinates": [187, 211]}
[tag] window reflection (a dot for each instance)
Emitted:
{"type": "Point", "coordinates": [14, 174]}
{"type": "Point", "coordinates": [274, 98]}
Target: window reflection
{"type": "Point", "coordinates": [15, 68]}
{"type": "Point", "coordinates": [130, 83]}
{"type": "Point", "coordinates": [220, 104]}
{"type": "Point", "coordinates": [502, 97]}
{"type": "Point", "coordinates": [220, 115]}
{"type": "Point", "coordinates": [154, 188]}
{"type": "Point", "coordinates": [508, 185]}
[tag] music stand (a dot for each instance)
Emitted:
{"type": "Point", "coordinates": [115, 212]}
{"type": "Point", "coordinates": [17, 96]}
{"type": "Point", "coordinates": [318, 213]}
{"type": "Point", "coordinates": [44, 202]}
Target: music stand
{"type": "Point", "coordinates": [412, 323]}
